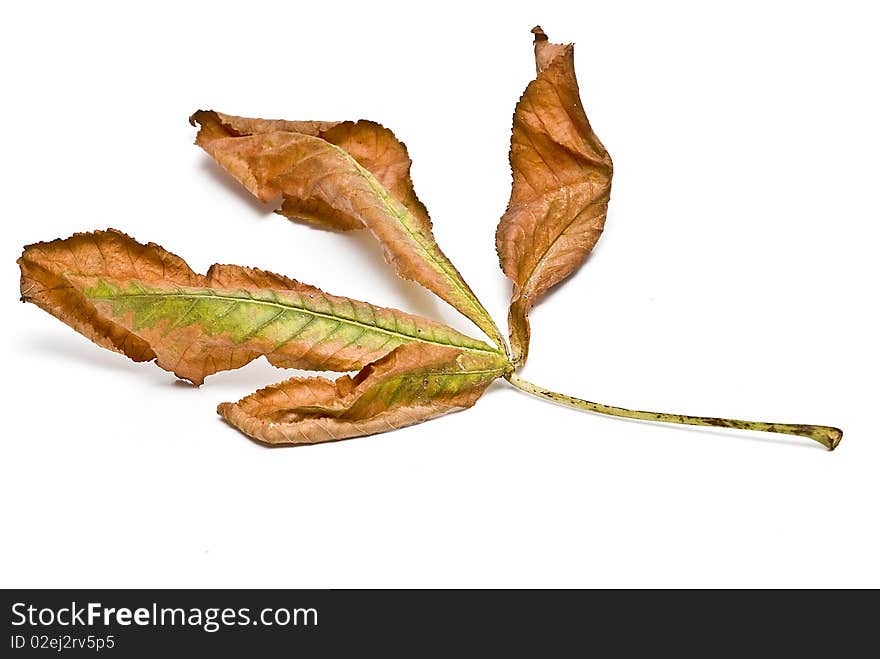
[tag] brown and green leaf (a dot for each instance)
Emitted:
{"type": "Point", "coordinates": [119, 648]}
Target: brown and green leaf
{"type": "Point", "coordinates": [343, 176]}
{"type": "Point", "coordinates": [561, 187]}
{"type": "Point", "coordinates": [147, 303]}
{"type": "Point", "coordinates": [413, 383]}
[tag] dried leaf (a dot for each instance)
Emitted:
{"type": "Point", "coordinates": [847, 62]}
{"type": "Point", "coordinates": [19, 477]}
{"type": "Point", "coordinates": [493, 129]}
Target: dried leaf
{"type": "Point", "coordinates": [413, 383]}
{"type": "Point", "coordinates": [147, 303]}
{"type": "Point", "coordinates": [561, 187]}
{"type": "Point", "coordinates": [342, 176]}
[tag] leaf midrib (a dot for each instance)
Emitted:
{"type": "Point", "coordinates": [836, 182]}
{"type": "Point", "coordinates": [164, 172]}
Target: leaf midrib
{"type": "Point", "coordinates": [279, 305]}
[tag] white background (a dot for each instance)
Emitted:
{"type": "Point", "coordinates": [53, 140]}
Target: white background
{"type": "Point", "coordinates": [737, 276]}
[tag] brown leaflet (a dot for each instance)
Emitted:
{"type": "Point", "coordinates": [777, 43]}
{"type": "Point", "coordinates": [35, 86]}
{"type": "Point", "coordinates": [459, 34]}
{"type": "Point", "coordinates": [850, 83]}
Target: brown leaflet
{"type": "Point", "coordinates": [412, 384]}
{"type": "Point", "coordinates": [561, 187]}
{"type": "Point", "coordinates": [372, 145]}
{"type": "Point", "coordinates": [326, 174]}
{"type": "Point", "coordinates": [149, 304]}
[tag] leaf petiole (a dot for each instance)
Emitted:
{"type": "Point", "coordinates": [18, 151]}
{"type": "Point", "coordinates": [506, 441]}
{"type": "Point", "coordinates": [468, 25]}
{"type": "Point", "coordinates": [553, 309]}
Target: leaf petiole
{"type": "Point", "coordinates": [827, 436]}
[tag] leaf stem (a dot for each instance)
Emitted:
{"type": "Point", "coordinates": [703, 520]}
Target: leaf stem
{"type": "Point", "coordinates": [827, 436]}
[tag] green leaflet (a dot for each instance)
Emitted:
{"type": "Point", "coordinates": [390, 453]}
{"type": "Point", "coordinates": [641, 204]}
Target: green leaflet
{"type": "Point", "coordinates": [149, 304]}
{"type": "Point", "coordinates": [307, 330]}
